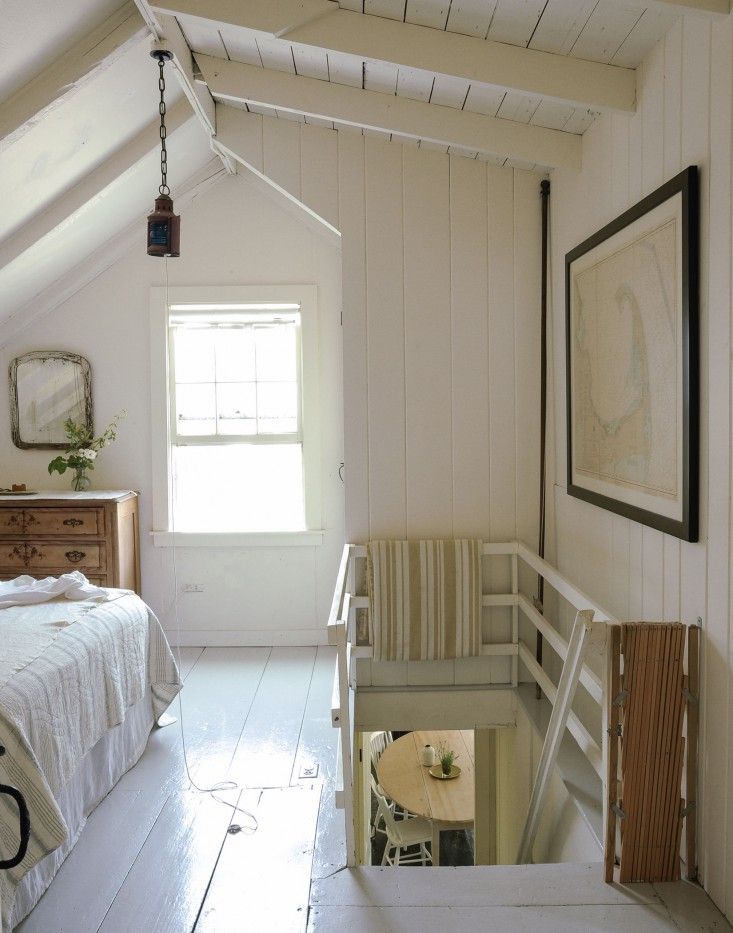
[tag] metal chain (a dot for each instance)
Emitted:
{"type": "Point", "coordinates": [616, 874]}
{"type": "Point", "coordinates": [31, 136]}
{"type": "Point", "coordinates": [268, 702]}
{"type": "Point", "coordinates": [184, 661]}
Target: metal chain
{"type": "Point", "coordinates": [163, 187]}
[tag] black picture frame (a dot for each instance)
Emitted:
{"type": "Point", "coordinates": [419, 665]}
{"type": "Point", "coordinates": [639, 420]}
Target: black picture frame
{"type": "Point", "coordinates": [676, 514]}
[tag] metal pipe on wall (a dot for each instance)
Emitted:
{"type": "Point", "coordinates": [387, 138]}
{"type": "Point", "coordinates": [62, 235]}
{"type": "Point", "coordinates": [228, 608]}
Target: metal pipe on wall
{"type": "Point", "coordinates": [539, 599]}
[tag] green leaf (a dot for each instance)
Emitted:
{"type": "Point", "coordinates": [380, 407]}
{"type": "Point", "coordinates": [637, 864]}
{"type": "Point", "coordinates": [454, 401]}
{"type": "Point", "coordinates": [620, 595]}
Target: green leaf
{"type": "Point", "coordinates": [57, 465]}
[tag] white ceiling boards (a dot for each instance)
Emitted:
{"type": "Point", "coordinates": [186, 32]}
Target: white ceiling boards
{"type": "Point", "coordinates": [503, 81]}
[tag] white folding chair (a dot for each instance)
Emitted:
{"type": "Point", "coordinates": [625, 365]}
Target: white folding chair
{"type": "Point", "coordinates": [402, 834]}
{"type": "Point", "coordinates": [377, 745]}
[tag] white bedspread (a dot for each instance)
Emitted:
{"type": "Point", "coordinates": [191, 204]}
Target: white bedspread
{"type": "Point", "coordinates": [60, 704]}
{"type": "Point", "coordinates": [26, 631]}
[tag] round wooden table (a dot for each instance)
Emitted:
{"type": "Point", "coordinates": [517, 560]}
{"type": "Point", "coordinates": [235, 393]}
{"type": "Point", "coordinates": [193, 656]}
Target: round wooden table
{"type": "Point", "coordinates": [447, 804]}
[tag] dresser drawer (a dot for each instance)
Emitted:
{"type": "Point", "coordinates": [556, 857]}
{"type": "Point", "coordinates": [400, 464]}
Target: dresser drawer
{"type": "Point", "coordinates": [56, 522]}
{"type": "Point", "coordinates": [28, 556]}
{"type": "Point", "coordinates": [11, 522]}
{"type": "Point", "coordinates": [98, 579]}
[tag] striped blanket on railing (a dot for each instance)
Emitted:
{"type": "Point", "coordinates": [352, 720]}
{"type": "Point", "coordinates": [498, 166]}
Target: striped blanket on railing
{"type": "Point", "coordinates": [425, 599]}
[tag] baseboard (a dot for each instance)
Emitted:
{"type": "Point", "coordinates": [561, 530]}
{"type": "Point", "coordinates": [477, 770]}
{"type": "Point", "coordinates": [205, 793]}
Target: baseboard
{"type": "Point", "coordinates": [223, 638]}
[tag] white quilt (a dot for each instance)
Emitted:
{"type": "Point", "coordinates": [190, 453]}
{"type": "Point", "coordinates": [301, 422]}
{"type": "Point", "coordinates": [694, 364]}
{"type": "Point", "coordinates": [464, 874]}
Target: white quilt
{"type": "Point", "coordinates": [58, 704]}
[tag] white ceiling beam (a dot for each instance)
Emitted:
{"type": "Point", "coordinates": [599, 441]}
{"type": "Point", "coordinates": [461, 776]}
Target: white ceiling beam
{"type": "Point", "coordinates": [110, 252]}
{"type": "Point", "coordinates": [275, 17]}
{"type": "Point", "coordinates": [715, 8]}
{"type": "Point", "coordinates": [371, 110]}
{"type": "Point", "coordinates": [91, 188]}
{"type": "Point", "coordinates": [96, 52]}
{"type": "Point", "coordinates": [167, 34]}
{"type": "Point", "coordinates": [557, 77]}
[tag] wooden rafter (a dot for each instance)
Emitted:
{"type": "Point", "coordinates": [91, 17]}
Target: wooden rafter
{"type": "Point", "coordinates": [91, 187]}
{"type": "Point", "coordinates": [95, 53]}
{"type": "Point", "coordinates": [232, 81]}
{"type": "Point", "coordinates": [556, 77]}
{"type": "Point", "coordinates": [166, 33]}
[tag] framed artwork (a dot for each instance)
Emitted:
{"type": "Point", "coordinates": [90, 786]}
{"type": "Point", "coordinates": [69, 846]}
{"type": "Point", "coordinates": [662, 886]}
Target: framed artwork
{"type": "Point", "coordinates": [631, 293]}
{"type": "Point", "coordinates": [46, 388]}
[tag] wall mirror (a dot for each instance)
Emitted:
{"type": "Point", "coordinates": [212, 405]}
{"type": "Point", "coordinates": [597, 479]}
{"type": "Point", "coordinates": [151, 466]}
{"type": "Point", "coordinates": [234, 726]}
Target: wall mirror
{"type": "Point", "coordinates": [46, 388]}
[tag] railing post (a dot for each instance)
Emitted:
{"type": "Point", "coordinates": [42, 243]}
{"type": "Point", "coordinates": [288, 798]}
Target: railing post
{"type": "Point", "coordinates": [515, 620]}
{"type": "Point", "coordinates": [347, 765]}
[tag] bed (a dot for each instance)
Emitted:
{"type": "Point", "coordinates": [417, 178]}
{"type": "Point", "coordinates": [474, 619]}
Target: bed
{"type": "Point", "coordinates": [81, 686]}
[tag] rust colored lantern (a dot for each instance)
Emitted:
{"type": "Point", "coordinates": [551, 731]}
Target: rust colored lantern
{"type": "Point", "coordinates": [164, 227]}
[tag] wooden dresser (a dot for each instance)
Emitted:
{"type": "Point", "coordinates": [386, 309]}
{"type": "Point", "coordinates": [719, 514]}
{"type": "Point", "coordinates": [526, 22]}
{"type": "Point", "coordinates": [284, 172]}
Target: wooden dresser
{"type": "Point", "coordinates": [50, 533]}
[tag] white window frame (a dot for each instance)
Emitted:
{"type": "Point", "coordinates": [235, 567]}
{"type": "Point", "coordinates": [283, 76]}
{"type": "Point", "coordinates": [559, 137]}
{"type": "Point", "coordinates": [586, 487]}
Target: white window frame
{"type": "Point", "coordinates": [160, 359]}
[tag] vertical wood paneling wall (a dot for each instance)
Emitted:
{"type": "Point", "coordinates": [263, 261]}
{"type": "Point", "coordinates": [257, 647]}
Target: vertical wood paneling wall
{"type": "Point", "coordinates": [441, 343]}
{"type": "Point", "coordinates": [683, 117]}
{"type": "Point", "coordinates": [441, 350]}
{"type": "Point", "coordinates": [440, 328]}
{"type": "Point", "coordinates": [441, 359]}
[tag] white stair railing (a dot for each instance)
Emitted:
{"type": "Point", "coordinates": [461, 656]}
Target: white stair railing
{"type": "Point", "coordinates": [589, 627]}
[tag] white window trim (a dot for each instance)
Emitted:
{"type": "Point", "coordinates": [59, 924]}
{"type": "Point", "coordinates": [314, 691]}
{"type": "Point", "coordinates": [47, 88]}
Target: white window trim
{"type": "Point", "coordinates": [307, 297]}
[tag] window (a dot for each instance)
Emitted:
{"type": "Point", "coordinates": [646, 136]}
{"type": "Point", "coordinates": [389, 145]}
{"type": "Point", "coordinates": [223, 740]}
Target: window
{"type": "Point", "coordinates": [242, 430]}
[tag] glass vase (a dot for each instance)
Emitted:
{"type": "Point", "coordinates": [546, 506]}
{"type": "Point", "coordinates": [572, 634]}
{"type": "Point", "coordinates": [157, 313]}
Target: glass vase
{"type": "Point", "coordinates": [81, 480]}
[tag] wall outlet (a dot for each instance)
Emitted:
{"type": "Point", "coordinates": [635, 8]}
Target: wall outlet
{"type": "Point", "coordinates": [193, 587]}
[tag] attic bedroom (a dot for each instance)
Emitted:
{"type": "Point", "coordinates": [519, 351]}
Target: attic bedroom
{"type": "Point", "coordinates": [365, 489]}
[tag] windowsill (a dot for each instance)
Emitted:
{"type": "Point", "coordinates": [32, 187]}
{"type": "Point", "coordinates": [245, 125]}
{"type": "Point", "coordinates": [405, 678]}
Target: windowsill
{"type": "Point", "coordinates": [237, 538]}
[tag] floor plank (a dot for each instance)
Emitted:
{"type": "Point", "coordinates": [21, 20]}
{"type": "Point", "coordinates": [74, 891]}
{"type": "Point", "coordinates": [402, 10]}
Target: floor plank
{"type": "Point", "coordinates": [597, 919]}
{"type": "Point", "coordinates": [217, 699]}
{"type": "Point", "coordinates": [501, 885]}
{"type": "Point", "coordinates": [318, 744]}
{"type": "Point", "coordinates": [269, 740]}
{"type": "Point", "coordinates": [97, 866]}
{"type": "Point", "coordinates": [186, 659]}
{"type": "Point", "coordinates": [168, 880]}
{"type": "Point", "coordinates": [262, 879]}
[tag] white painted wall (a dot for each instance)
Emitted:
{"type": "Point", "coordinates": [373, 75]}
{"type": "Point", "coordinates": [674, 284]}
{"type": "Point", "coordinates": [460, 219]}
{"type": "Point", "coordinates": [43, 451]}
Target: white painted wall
{"type": "Point", "coordinates": [231, 234]}
{"type": "Point", "coordinates": [441, 351]}
{"type": "Point", "coordinates": [563, 835]}
{"type": "Point", "coordinates": [683, 117]}
{"type": "Point", "coordinates": [441, 266]}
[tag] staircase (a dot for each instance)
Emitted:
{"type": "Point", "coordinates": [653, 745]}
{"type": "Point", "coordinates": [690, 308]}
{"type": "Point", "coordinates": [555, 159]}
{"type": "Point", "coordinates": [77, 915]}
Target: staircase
{"type": "Point", "coordinates": [555, 898]}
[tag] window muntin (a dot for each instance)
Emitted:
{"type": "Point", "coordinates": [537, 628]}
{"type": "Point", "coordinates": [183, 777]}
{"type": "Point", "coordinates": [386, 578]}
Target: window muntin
{"type": "Point", "coordinates": [235, 396]}
{"type": "Point", "coordinates": [236, 379]}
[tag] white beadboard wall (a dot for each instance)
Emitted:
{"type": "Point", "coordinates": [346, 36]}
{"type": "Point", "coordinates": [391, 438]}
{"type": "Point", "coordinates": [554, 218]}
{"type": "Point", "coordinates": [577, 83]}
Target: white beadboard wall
{"type": "Point", "coordinates": [441, 350]}
{"type": "Point", "coordinates": [683, 117]}
{"type": "Point", "coordinates": [232, 234]}
{"type": "Point", "coordinates": [441, 291]}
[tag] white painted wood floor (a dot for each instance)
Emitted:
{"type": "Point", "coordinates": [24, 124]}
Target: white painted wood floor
{"type": "Point", "coordinates": [155, 856]}
{"type": "Point", "coordinates": [505, 899]}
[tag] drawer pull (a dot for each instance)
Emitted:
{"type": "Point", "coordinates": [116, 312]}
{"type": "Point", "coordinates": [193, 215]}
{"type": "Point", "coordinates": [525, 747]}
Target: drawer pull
{"type": "Point", "coordinates": [75, 556]}
{"type": "Point", "coordinates": [73, 522]}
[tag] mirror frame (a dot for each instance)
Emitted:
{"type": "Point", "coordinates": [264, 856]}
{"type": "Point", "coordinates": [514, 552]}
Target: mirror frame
{"type": "Point", "coordinates": [42, 356]}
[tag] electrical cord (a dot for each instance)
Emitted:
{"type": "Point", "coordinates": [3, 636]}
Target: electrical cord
{"type": "Point", "coordinates": [220, 786]}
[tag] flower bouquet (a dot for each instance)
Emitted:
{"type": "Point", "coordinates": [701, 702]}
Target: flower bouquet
{"type": "Point", "coordinates": [82, 450]}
